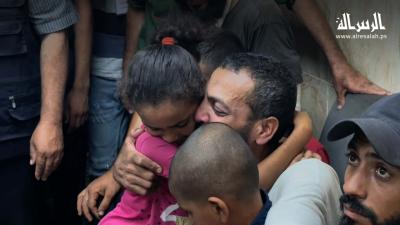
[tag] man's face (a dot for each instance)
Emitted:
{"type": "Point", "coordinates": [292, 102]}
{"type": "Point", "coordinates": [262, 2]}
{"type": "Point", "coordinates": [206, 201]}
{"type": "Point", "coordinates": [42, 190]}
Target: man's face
{"type": "Point", "coordinates": [225, 100]}
{"type": "Point", "coordinates": [372, 187]}
{"type": "Point", "coordinates": [206, 10]}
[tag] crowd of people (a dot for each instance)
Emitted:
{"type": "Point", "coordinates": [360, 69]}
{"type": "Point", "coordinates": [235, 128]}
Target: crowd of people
{"type": "Point", "coordinates": [181, 112]}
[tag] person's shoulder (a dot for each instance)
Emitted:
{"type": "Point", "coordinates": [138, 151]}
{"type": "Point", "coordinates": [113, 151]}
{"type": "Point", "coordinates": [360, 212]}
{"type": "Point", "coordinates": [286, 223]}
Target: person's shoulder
{"type": "Point", "coordinates": [313, 170]}
{"type": "Point", "coordinates": [310, 176]}
{"type": "Point", "coordinates": [307, 192]}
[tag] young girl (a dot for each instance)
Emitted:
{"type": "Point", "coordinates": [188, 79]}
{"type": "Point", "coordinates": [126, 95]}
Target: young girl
{"type": "Point", "coordinates": [164, 86]}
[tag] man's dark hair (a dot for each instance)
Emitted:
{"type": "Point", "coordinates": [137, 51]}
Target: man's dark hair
{"type": "Point", "coordinates": [162, 72]}
{"type": "Point", "coordinates": [275, 90]}
{"type": "Point", "coordinates": [216, 47]}
{"type": "Point", "coordinates": [214, 161]}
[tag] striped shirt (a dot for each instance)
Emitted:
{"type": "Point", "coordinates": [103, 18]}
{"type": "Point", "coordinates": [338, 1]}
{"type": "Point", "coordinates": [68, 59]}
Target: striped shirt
{"type": "Point", "coordinates": [118, 7]}
{"type": "Point", "coordinates": [49, 16]}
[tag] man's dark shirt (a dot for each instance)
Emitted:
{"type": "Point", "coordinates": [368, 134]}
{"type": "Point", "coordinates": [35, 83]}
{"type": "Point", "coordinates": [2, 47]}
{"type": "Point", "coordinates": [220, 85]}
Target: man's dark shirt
{"type": "Point", "coordinates": [262, 28]}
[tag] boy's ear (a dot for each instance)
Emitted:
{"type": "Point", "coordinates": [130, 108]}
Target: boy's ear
{"type": "Point", "coordinates": [220, 209]}
{"type": "Point", "coordinates": [266, 129]}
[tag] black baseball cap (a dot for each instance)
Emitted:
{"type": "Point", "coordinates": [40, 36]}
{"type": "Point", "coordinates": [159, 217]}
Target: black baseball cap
{"type": "Point", "coordinates": [381, 125]}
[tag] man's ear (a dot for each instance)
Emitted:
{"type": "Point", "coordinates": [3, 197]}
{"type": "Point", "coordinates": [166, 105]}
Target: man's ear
{"type": "Point", "coordinates": [266, 129]}
{"type": "Point", "coordinates": [220, 209]}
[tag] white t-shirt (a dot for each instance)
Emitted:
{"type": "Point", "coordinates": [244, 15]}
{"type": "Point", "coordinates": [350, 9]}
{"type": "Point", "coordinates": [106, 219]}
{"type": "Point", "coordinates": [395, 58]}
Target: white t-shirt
{"type": "Point", "coordinates": [307, 193]}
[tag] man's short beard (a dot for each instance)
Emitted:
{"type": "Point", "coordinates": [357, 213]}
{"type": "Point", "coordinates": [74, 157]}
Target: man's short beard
{"type": "Point", "coordinates": [355, 205]}
{"type": "Point", "coordinates": [245, 131]}
{"type": "Point", "coordinates": [392, 221]}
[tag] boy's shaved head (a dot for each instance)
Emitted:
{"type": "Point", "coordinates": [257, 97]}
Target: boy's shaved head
{"type": "Point", "coordinates": [214, 161]}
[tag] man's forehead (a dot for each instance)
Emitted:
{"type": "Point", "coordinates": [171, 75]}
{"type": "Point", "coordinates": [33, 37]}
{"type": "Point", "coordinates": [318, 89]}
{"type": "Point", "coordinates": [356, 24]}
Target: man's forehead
{"type": "Point", "coordinates": [360, 144]}
{"type": "Point", "coordinates": [227, 82]}
{"type": "Point", "coordinates": [242, 72]}
{"type": "Point", "coordinates": [366, 150]}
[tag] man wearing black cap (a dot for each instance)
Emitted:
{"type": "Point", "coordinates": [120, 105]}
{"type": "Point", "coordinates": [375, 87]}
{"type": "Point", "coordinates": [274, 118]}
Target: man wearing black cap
{"type": "Point", "coordinates": [372, 178]}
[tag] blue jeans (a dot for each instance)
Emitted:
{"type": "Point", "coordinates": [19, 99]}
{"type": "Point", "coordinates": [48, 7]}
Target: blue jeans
{"type": "Point", "coordinates": [108, 122]}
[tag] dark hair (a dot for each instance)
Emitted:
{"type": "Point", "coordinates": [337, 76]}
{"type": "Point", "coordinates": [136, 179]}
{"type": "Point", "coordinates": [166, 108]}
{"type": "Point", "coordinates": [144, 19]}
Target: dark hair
{"type": "Point", "coordinates": [275, 90]}
{"type": "Point", "coordinates": [162, 72]}
{"type": "Point", "coordinates": [187, 30]}
{"type": "Point", "coordinates": [213, 11]}
{"type": "Point", "coordinates": [216, 47]}
{"type": "Point", "coordinates": [214, 161]}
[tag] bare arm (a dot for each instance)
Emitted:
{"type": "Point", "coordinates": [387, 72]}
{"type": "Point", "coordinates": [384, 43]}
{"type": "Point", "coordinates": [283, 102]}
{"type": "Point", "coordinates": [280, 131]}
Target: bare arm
{"type": "Point", "coordinates": [133, 170]}
{"type": "Point", "coordinates": [134, 23]}
{"type": "Point", "coordinates": [78, 99]}
{"type": "Point", "coordinates": [135, 123]}
{"type": "Point", "coordinates": [47, 139]}
{"type": "Point", "coordinates": [346, 78]}
{"type": "Point", "coordinates": [277, 162]}
{"type": "Point", "coordinates": [313, 18]}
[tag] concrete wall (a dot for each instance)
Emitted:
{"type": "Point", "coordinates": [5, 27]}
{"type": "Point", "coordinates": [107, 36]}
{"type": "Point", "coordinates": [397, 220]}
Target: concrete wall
{"type": "Point", "coordinates": [378, 59]}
